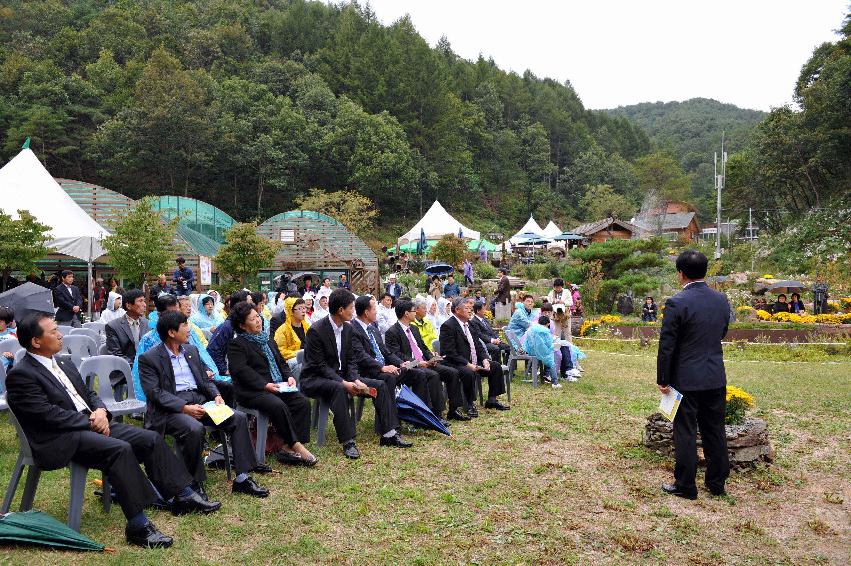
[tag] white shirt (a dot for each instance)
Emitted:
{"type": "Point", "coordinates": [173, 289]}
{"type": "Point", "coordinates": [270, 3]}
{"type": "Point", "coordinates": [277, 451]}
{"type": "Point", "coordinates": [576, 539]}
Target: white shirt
{"type": "Point", "coordinates": [692, 282]}
{"type": "Point", "coordinates": [338, 337]}
{"type": "Point", "coordinates": [566, 297]}
{"type": "Point", "coordinates": [386, 318]}
{"type": "Point", "coordinates": [64, 381]}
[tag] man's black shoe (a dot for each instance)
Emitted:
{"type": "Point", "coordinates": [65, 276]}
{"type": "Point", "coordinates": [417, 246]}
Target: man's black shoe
{"type": "Point", "coordinates": [717, 493]}
{"type": "Point", "coordinates": [193, 504]}
{"type": "Point", "coordinates": [444, 422]}
{"type": "Point", "coordinates": [249, 487]}
{"type": "Point", "coordinates": [199, 489]}
{"type": "Point", "coordinates": [289, 458]}
{"type": "Point", "coordinates": [263, 468]}
{"type": "Point", "coordinates": [350, 450]}
{"type": "Point", "coordinates": [455, 415]}
{"type": "Point", "coordinates": [672, 489]}
{"type": "Point", "coordinates": [472, 411]}
{"type": "Point", "coordinates": [147, 536]}
{"type": "Point", "coordinates": [495, 404]}
{"type": "Point", "coordinates": [395, 440]}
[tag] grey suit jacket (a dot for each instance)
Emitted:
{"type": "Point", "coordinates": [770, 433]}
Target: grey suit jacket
{"type": "Point", "coordinates": [119, 340]}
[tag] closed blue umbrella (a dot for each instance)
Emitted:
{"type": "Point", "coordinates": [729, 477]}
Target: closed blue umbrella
{"type": "Point", "coordinates": [412, 409]}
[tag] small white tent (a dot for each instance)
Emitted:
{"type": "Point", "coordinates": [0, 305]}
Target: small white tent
{"type": "Point", "coordinates": [437, 223]}
{"type": "Point", "coordinates": [551, 231]}
{"type": "Point", "coordinates": [26, 185]}
{"type": "Point", "coordinates": [531, 227]}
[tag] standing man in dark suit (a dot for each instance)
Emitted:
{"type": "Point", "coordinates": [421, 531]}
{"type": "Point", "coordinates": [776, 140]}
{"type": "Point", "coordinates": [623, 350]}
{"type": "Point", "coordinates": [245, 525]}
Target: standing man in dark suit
{"type": "Point", "coordinates": [65, 421]}
{"type": "Point", "coordinates": [176, 387]}
{"type": "Point", "coordinates": [461, 348]}
{"type": "Point", "coordinates": [404, 340]}
{"type": "Point", "coordinates": [691, 360]}
{"type": "Point", "coordinates": [68, 300]}
{"type": "Point", "coordinates": [123, 334]}
{"type": "Point", "coordinates": [330, 372]}
{"type": "Point", "coordinates": [375, 360]}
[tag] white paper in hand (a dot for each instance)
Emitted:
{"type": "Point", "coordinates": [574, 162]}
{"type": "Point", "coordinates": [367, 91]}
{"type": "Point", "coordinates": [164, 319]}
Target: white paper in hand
{"type": "Point", "coordinates": [669, 403]}
{"type": "Point", "coordinates": [287, 388]}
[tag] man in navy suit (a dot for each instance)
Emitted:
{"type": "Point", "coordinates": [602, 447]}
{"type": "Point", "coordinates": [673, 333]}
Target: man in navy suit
{"type": "Point", "coordinates": [67, 299]}
{"type": "Point", "coordinates": [691, 360]}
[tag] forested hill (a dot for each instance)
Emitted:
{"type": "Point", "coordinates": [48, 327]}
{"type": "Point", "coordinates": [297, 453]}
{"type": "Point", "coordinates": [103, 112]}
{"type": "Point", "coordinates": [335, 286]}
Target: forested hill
{"type": "Point", "coordinates": [249, 104]}
{"type": "Point", "coordinates": [691, 131]}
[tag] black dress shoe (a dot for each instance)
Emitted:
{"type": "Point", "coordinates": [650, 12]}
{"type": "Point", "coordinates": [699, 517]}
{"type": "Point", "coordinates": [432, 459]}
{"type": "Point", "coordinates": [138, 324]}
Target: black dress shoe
{"type": "Point", "coordinates": [288, 458]}
{"type": "Point", "coordinates": [309, 463]}
{"type": "Point", "coordinates": [193, 504]}
{"type": "Point", "coordinates": [249, 487]}
{"type": "Point", "coordinates": [199, 489]}
{"type": "Point", "coordinates": [395, 440]}
{"type": "Point", "coordinates": [495, 404]}
{"type": "Point", "coordinates": [717, 493]}
{"type": "Point", "coordinates": [472, 411]}
{"type": "Point", "coordinates": [455, 415]}
{"type": "Point", "coordinates": [263, 469]}
{"type": "Point", "coordinates": [350, 450]}
{"type": "Point", "coordinates": [444, 422]}
{"type": "Point", "coordinates": [672, 489]}
{"type": "Point", "coordinates": [148, 536]}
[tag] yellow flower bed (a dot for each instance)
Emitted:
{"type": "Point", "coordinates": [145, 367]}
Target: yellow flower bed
{"type": "Point", "coordinates": [734, 392]}
{"type": "Point", "coordinates": [590, 325]}
{"type": "Point", "coordinates": [846, 302]}
{"type": "Point", "coordinates": [763, 315]}
{"type": "Point", "coordinates": [744, 308]}
{"type": "Point", "coordinates": [806, 318]}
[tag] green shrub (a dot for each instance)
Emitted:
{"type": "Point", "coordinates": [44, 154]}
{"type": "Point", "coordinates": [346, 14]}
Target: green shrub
{"type": "Point", "coordinates": [484, 270]}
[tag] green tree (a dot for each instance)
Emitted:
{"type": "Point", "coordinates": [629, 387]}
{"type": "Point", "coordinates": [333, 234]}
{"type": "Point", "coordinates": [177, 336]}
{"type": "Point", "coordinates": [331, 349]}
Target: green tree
{"type": "Point", "coordinates": [601, 201]}
{"type": "Point", "coordinates": [621, 266]}
{"type": "Point", "coordinates": [660, 173]}
{"type": "Point", "coordinates": [243, 255]}
{"type": "Point", "coordinates": [353, 210]}
{"type": "Point", "coordinates": [22, 243]}
{"type": "Point", "coordinates": [449, 249]}
{"type": "Point", "coordinates": [140, 243]}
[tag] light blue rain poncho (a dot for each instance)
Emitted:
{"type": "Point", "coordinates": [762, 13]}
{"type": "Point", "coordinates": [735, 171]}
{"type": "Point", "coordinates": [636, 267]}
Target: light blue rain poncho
{"type": "Point", "coordinates": [520, 322]}
{"type": "Point", "coordinates": [206, 321]}
{"type": "Point", "coordinates": [539, 343]}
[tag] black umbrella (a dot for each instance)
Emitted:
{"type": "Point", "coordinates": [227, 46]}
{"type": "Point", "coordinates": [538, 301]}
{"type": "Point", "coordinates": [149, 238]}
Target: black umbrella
{"type": "Point", "coordinates": [783, 287]}
{"type": "Point", "coordinates": [412, 409]}
{"type": "Point", "coordinates": [35, 527]}
{"type": "Point", "coordinates": [27, 299]}
{"type": "Point", "coordinates": [438, 269]}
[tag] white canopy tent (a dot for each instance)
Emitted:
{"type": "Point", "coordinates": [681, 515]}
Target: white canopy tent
{"type": "Point", "coordinates": [531, 227]}
{"type": "Point", "coordinates": [437, 223]}
{"type": "Point", "coordinates": [26, 185]}
{"type": "Point", "coordinates": [551, 231]}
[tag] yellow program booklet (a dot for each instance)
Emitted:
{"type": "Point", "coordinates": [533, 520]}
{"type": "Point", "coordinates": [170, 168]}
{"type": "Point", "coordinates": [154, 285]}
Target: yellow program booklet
{"type": "Point", "coordinates": [217, 413]}
{"type": "Point", "coordinates": [670, 403]}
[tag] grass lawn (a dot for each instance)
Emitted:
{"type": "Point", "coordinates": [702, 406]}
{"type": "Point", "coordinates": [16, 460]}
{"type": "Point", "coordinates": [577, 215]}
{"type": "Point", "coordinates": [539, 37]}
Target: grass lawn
{"type": "Point", "coordinates": [561, 478]}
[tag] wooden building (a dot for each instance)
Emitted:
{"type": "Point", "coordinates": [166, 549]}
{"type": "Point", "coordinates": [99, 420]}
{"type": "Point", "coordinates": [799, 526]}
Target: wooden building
{"type": "Point", "coordinates": [606, 229]}
{"type": "Point", "coordinates": [318, 243]}
{"type": "Point", "coordinates": [675, 220]}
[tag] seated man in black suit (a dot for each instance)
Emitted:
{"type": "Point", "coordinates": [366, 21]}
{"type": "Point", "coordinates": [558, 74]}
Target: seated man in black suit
{"type": "Point", "coordinates": [403, 339]}
{"type": "Point", "coordinates": [375, 360]}
{"type": "Point", "coordinates": [330, 372]}
{"type": "Point", "coordinates": [67, 300]}
{"type": "Point", "coordinates": [65, 421]}
{"type": "Point", "coordinates": [176, 387]}
{"type": "Point", "coordinates": [497, 349]}
{"type": "Point", "coordinates": [123, 333]}
{"type": "Point", "coordinates": [461, 348]}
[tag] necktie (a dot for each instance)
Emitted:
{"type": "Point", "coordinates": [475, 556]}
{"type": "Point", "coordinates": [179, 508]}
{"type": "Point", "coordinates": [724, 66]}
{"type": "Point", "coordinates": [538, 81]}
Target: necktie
{"type": "Point", "coordinates": [79, 402]}
{"type": "Point", "coordinates": [415, 350]}
{"type": "Point", "coordinates": [379, 357]}
{"type": "Point", "coordinates": [134, 332]}
{"type": "Point", "coordinates": [469, 336]}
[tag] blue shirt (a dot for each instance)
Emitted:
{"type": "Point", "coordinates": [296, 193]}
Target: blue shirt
{"type": "Point", "coordinates": [183, 378]}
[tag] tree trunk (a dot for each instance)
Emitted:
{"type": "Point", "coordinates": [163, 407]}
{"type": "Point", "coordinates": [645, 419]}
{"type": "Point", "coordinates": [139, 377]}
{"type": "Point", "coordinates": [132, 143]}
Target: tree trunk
{"type": "Point", "coordinates": [6, 274]}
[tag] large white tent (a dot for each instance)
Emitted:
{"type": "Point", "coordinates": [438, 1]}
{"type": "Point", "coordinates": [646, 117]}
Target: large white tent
{"type": "Point", "coordinates": [26, 185]}
{"type": "Point", "coordinates": [437, 223]}
{"type": "Point", "coordinates": [551, 231]}
{"type": "Point", "coordinates": [531, 227]}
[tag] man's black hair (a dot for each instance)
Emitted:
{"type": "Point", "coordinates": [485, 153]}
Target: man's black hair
{"type": "Point", "coordinates": [692, 264]}
{"type": "Point", "coordinates": [170, 320]}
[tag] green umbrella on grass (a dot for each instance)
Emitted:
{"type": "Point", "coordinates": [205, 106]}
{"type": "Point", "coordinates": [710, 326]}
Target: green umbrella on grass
{"type": "Point", "coordinates": [35, 527]}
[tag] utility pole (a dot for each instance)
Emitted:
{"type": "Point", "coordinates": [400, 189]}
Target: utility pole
{"type": "Point", "coordinates": [719, 185]}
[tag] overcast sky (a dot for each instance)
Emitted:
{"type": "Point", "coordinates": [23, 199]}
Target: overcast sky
{"type": "Point", "coordinates": [620, 52]}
